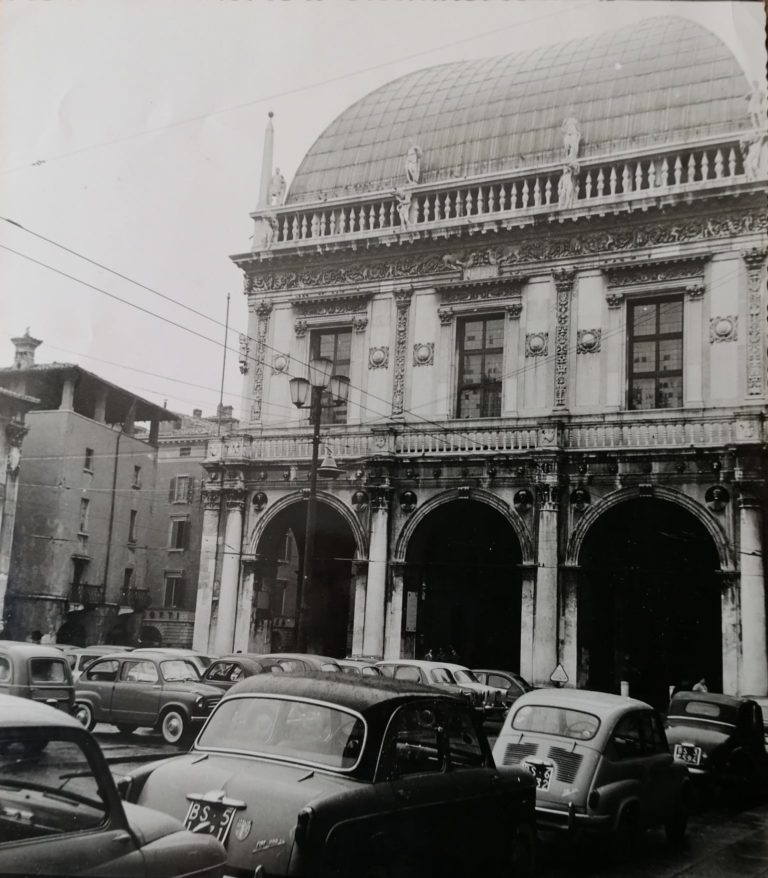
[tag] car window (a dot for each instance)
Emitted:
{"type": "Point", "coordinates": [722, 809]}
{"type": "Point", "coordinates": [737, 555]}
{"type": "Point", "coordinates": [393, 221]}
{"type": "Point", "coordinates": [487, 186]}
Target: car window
{"type": "Point", "coordinates": [440, 675]}
{"type": "Point", "coordinates": [105, 670]}
{"type": "Point", "coordinates": [501, 682]}
{"type": "Point", "coordinates": [654, 739]}
{"type": "Point", "coordinates": [703, 709]}
{"type": "Point", "coordinates": [408, 672]}
{"type": "Point", "coordinates": [464, 747]}
{"type": "Point", "coordinates": [45, 670]}
{"type": "Point", "coordinates": [139, 672]}
{"type": "Point", "coordinates": [300, 731]}
{"type": "Point", "coordinates": [387, 670]}
{"type": "Point", "coordinates": [371, 672]}
{"type": "Point", "coordinates": [179, 671]}
{"type": "Point", "coordinates": [413, 742]}
{"type": "Point", "coordinates": [71, 660]}
{"type": "Point", "coordinates": [347, 669]}
{"type": "Point", "coordinates": [5, 670]}
{"type": "Point", "coordinates": [462, 676]}
{"type": "Point", "coordinates": [330, 667]}
{"type": "Point", "coordinates": [550, 720]}
{"type": "Point", "coordinates": [627, 738]}
{"type": "Point", "coordinates": [292, 666]}
{"type": "Point", "coordinates": [223, 671]}
{"type": "Point", "coordinates": [47, 787]}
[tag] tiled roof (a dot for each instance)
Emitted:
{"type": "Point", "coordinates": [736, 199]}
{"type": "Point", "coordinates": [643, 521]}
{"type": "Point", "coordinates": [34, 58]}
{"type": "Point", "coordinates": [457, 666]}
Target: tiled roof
{"type": "Point", "coordinates": [658, 82]}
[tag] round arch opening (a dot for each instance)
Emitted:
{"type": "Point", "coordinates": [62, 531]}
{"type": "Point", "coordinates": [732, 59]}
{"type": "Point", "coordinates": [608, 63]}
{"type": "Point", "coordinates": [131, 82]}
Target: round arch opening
{"type": "Point", "coordinates": [649, 601]}
{"type": "Point", "coordinates": [328, 604]}
{"type": "Point", "coordinates": [72, 633]}
{"type": "Point", "coordinates": [463, 587]}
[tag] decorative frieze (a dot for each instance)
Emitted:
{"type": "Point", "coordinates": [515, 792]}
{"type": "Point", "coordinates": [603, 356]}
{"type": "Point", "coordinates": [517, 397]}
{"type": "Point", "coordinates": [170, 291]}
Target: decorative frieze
{"type": "Point", "coordinates": [263, 310]}
{"type": "Point", "coordinates": [403, 305]}
{"type": "Point", "coordinates": [541, 247]}
{"type": "Point", "coordinates": [588, 341]}
{"type": "Point", "coordinates": [424, 353]}
{"type": "Point", "coordinates": [564, 278]}
{"type": "Point", "coordinates": [330, 305]}
{"type": "Point", "coordinates": [754, 258]}
{"type": "Point", "coordinates": [631, 274]}
{"type": "Point", "coordinates": [723, 328]}
{"type": "Point", "coordinates": [536, 344]}
{"type": "Point", "coordinates": [378, 357]}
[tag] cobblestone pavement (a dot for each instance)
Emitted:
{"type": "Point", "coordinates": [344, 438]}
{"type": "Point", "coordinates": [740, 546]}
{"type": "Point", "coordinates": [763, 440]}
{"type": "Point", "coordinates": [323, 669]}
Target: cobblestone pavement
{"type": "Point", "coordinates": [724, 841]}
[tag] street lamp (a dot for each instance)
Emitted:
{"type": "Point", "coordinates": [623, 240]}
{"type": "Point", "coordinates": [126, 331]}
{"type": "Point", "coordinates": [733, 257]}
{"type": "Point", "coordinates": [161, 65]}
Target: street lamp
{"type": "Point", "coordinates": [309, 393]}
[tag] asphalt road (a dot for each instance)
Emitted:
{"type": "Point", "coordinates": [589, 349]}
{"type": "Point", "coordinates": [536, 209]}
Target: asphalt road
{"type": "Point", "coordinates": [724, 840]}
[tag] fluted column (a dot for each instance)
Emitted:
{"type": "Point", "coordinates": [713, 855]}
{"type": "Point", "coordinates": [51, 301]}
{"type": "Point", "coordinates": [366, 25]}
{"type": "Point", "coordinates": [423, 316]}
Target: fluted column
{"type": "Point", "coordinates": [545, 609]}
{"type": "Point", "coordinates": [754, 651]}
{"type": "Point", "coordinates": [360, 575]}
{"type": "Point", "coordinates": [569, 615]}
{"type": "Point", "coordinates": [394, 621]}
{"type": "Point", "coordinates": [375, 598]}
{"type": "Point", "coordinates": [202, 639]}
{"type": "Point", "coordinates": [248, 575]}
{"type": "Point", "coordinates": [230, 572]}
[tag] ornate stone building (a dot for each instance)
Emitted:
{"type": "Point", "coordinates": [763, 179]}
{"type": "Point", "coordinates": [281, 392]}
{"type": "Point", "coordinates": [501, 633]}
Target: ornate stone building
{"type": "Point", "coordinates": [544, 276]}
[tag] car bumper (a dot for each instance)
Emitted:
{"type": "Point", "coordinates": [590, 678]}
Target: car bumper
{"type": "Point", "coordinates": [570, 820]}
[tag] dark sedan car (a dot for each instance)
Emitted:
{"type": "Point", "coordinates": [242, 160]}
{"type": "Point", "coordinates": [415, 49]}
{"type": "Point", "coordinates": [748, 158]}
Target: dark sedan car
{"type": "Point", "coordinates": [224, 672]}
{"type": "Point", "coordinates": [338, 775]}
{"type": "Point", "coordinates": [300, 662]}
{"type": "Point", "coordinates": [513, 683]}
{"type": "Point", "coordinates": [60, 813]}
{"type": "Point", "coordinates": [720, 738]}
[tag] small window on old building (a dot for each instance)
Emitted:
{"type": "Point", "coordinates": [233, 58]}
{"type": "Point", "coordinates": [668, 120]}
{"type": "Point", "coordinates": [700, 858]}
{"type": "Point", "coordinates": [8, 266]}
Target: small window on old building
{"type": "Point", "coordinates": [179, 533]}
{"type": "Point", "coordinates": [180, 490]}
{"type": "Point", "coordinates": [174, 590]}
{"type": "Point", "coordinates": [84, 505]}
{"type": "Point", "coordinates": [127, 579]}
{"type": "Point", "coordinates": [137, 477]}
{"type": "Point", "coordinates": [481, 351]}
{"type": "Point", "coordinates": [335, 345]}
{"type": "Point", "coordinates": [132, 526]}
{"type": "Point", "coordinates": [88, 462]}
{"type": "Point", "coordinates": [185, 452]}
{"type": "Point", "coordinates": [655, 353]}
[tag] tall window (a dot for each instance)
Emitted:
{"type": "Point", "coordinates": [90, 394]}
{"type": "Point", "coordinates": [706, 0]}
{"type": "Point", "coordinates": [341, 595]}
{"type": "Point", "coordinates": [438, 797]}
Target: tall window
{"type": "Point", "coordinates": [174, 590]}
{"type": "Point", "coordinates": [180, 490]}
{"type": "Point", "coordinates": [481, 350]}
{"type": "Point", "coordinates": [136, 477]}
{"type": "Point", "coordinates": [656, 353]}
{"type": "Point", "coordinates": [132, 526]}
{"type": "Point", "coordinates": [88, 462]}
{"type": "Point", "coordinates": [127, 579]}
{"type": "Point", "coordinates": [179, 532]}
{"type": "Point", "coordinates": [84, 504]}
{"type": "Point", "coordinates": [336, 345]}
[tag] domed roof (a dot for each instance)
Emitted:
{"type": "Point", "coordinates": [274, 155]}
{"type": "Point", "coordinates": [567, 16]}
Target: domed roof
{"type": "Point", "coordinates": [660, 81]}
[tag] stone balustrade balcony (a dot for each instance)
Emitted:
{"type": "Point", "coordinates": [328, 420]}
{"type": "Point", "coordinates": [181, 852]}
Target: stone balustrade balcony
{"type": "Point", "coordinates": [661, 430]}
{"type": "Point", "coordinates": [494, 202]}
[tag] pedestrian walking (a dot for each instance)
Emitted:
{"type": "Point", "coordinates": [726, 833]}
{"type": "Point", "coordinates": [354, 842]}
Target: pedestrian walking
{"type": "Point", "coordinates": [428, 656]}
{"type": "Point", "coordinates": [701, 686]}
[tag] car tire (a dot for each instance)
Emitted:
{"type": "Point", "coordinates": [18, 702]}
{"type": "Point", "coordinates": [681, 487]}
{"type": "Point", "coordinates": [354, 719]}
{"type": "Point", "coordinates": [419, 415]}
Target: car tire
{"type": "Point", "coordinates": [174, 726]}
{"type": "Point", "coordinates": [126, 728]}
{"type": "Point", "coordinates": [83, 713]}
{"type": "Point", "coordinates": [523, 855]}
{"type": "Point", "coordinates": [626, 834]}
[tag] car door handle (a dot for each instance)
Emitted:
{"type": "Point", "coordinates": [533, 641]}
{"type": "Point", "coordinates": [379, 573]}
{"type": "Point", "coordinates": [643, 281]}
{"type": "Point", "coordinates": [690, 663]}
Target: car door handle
{"type": "Point", "coordinates": [404, 794]}
{"type": "Point", "coordinates": [122, 836]}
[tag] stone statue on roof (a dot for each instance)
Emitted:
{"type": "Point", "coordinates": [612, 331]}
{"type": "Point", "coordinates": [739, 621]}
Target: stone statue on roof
{"type": "Point", "coordinates": [757, 105]}
{"type": "Point", "coordinates": [571, 138]}
{"type": "Point", "coordinates": [403, 199]}
{"type": "Point", "coordinates": [277, 187]}
{"type": "Point", "coordinates": [566, 186]}
{"type": "Point", "coordinates": [264, 232]}
{"type": "Point", "coordinates": [413, 164]}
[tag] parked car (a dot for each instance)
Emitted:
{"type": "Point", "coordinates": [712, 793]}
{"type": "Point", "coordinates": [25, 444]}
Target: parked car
{"type": "Point", "coordinates": [301, 663]}
{"type": "Point", "coordinates": [486, 700]}
{"type": "Point", "coordinates": [135, 689]}
{"type": "Point", "coordinates": [198, 659]}
{"type": "Point", "coordinates": [513, 683]}
{"type": "Point", "coordinates": [80, 656]}
{"type": "Point", "coordinates": [60, 813]}
{"type": "Point", "coordinates": [224, 672]}
{"type": "Point", "coordinates": [601, 763]}
{"type": "Point", "coordinates": [339, 775]}
{"type": "Point", "coordinates": [30, 670]}
{"type": "Point", "coordinates": [720, 738]}
{"type": "Point", "coordinates": [359, 667]}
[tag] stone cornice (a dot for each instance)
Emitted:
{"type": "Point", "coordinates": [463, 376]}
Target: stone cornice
{"type": "Point", "coordinates": [626, 273]}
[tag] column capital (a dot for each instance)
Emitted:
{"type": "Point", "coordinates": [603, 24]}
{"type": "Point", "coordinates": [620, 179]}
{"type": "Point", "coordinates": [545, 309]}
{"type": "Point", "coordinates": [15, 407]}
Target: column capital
{"type": "Point", "coordinates": [754, 257]}
{"type": "Point", "coordinates": [234, 499]}
{"type": "Point", "coordinates": [211, 499]}
{"type": "Point", "coordinates": [564, 278]}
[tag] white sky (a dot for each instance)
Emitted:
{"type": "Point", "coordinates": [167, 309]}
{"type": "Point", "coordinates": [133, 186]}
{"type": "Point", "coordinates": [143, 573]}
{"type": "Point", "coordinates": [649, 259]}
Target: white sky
{"type": "Point", "coordinates": [148, 116]}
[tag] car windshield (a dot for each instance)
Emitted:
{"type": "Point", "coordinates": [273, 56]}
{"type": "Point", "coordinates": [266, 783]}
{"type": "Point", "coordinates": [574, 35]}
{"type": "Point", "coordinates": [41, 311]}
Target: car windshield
{"type": "Point", "coordinates": [47, 785]}
{"type": "Point", "coordinates": [464, 676]}
{"type": "Point", "coordinates": [179, 671]}
{"type": "Point", "coordinates": [298, 731]}
{"type": "Point", "coordinates": [550, 720]}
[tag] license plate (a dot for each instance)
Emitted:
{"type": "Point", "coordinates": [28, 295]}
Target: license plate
{"type": "Point", "coordinates": [688, 753]}
{"type": "Point", "coordinates": [541, 772]}
{"type": "Point", "coordinates": [210, 818]}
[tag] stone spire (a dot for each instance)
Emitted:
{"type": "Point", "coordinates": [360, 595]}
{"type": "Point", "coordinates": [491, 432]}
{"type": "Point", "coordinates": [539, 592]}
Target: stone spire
{"type": "Point", "coordinates": [25, 350]}
{"type": "Point", "coordinates": [266, 163]}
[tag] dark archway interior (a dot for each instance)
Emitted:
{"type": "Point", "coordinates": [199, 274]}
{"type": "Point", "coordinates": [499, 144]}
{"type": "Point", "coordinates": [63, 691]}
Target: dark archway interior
{"type": "Point", "coordinates": [463, 563]}
{"type": "Point", "coordinates": [72, 633]}
{"type": "Point", "coordinates": [650, 601]}
{"type": "Point", "coordinates": [328, 605]}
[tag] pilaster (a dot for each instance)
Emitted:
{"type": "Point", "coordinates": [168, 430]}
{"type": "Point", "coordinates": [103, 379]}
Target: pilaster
{"type": "Point", "coordinates": [564, 278]}
{"type": "Point", "coordinates": [403, 306]}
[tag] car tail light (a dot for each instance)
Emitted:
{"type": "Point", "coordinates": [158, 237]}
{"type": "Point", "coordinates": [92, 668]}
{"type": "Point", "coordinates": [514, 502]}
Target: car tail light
{"type": "Point", "coordinates": [303, 824]}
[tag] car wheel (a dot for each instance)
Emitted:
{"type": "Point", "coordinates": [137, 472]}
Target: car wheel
{"type": "Point", "coordinates": [173, 726]}
{"type": "Point", "coordinates": [523, 860]}
{"type": "Point", "coordinates": [626, 834]}
{"type": "Point", "coordinates": [126, 728]}
{"type": "Point", "coordinates": [84, 715]}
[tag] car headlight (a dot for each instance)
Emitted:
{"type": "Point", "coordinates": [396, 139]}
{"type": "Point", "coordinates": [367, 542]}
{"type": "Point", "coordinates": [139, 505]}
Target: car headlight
{"type": "Point", "coordinates": [200, 702]}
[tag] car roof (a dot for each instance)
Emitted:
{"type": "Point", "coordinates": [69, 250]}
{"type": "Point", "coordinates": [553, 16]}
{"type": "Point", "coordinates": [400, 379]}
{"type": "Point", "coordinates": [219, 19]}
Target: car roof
{"type": "Point", "coordinates": [142, 654]}
{"type": "Point", "coordinates": [713, 697]}
{"type": "Point", "coordinates": [176, 650]}
{"type": "Point", "coordinates": [420, 663]}
{"type": "Point", "coordinates": [16, 711]}
{"type": "Point", "coordinates": [300, 655]}
{"type": "Point", "coordinates": [602, 703]}
{"type": "Point", "coordinates": [31, 650]}
{"type": "Point", "coordinates": [246, 660]}
{"type": "Point", "coordinates": [355, 693]}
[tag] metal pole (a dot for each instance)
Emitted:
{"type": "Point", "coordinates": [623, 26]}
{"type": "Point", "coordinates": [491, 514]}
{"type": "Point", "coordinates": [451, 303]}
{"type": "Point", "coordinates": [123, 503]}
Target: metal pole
{"type": "Point", "coordinates": [223, 369]}
{"type": "Point", "coordinates": [305, 579]}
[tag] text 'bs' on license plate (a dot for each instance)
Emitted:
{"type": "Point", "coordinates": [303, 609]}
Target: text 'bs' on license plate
{"type": "Point", "coordinates": [210, 819]}
{"type": "Point", "coordinates": [688, 753]}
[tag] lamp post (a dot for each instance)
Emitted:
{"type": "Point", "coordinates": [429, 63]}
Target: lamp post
{"type": "Point", "coordinates": [309, 393]}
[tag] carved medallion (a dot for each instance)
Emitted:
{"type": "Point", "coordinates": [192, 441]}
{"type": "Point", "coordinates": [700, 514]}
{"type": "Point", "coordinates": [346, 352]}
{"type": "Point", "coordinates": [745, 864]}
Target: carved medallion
{"type": "Point", "coordinates": [424, 353]}
{"type": "Point", "coordinates": [723, 328]}
{"type": "Point", "coordinates": [536, 344]}
{"type": "Point", "coordinates": [378, 357]}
